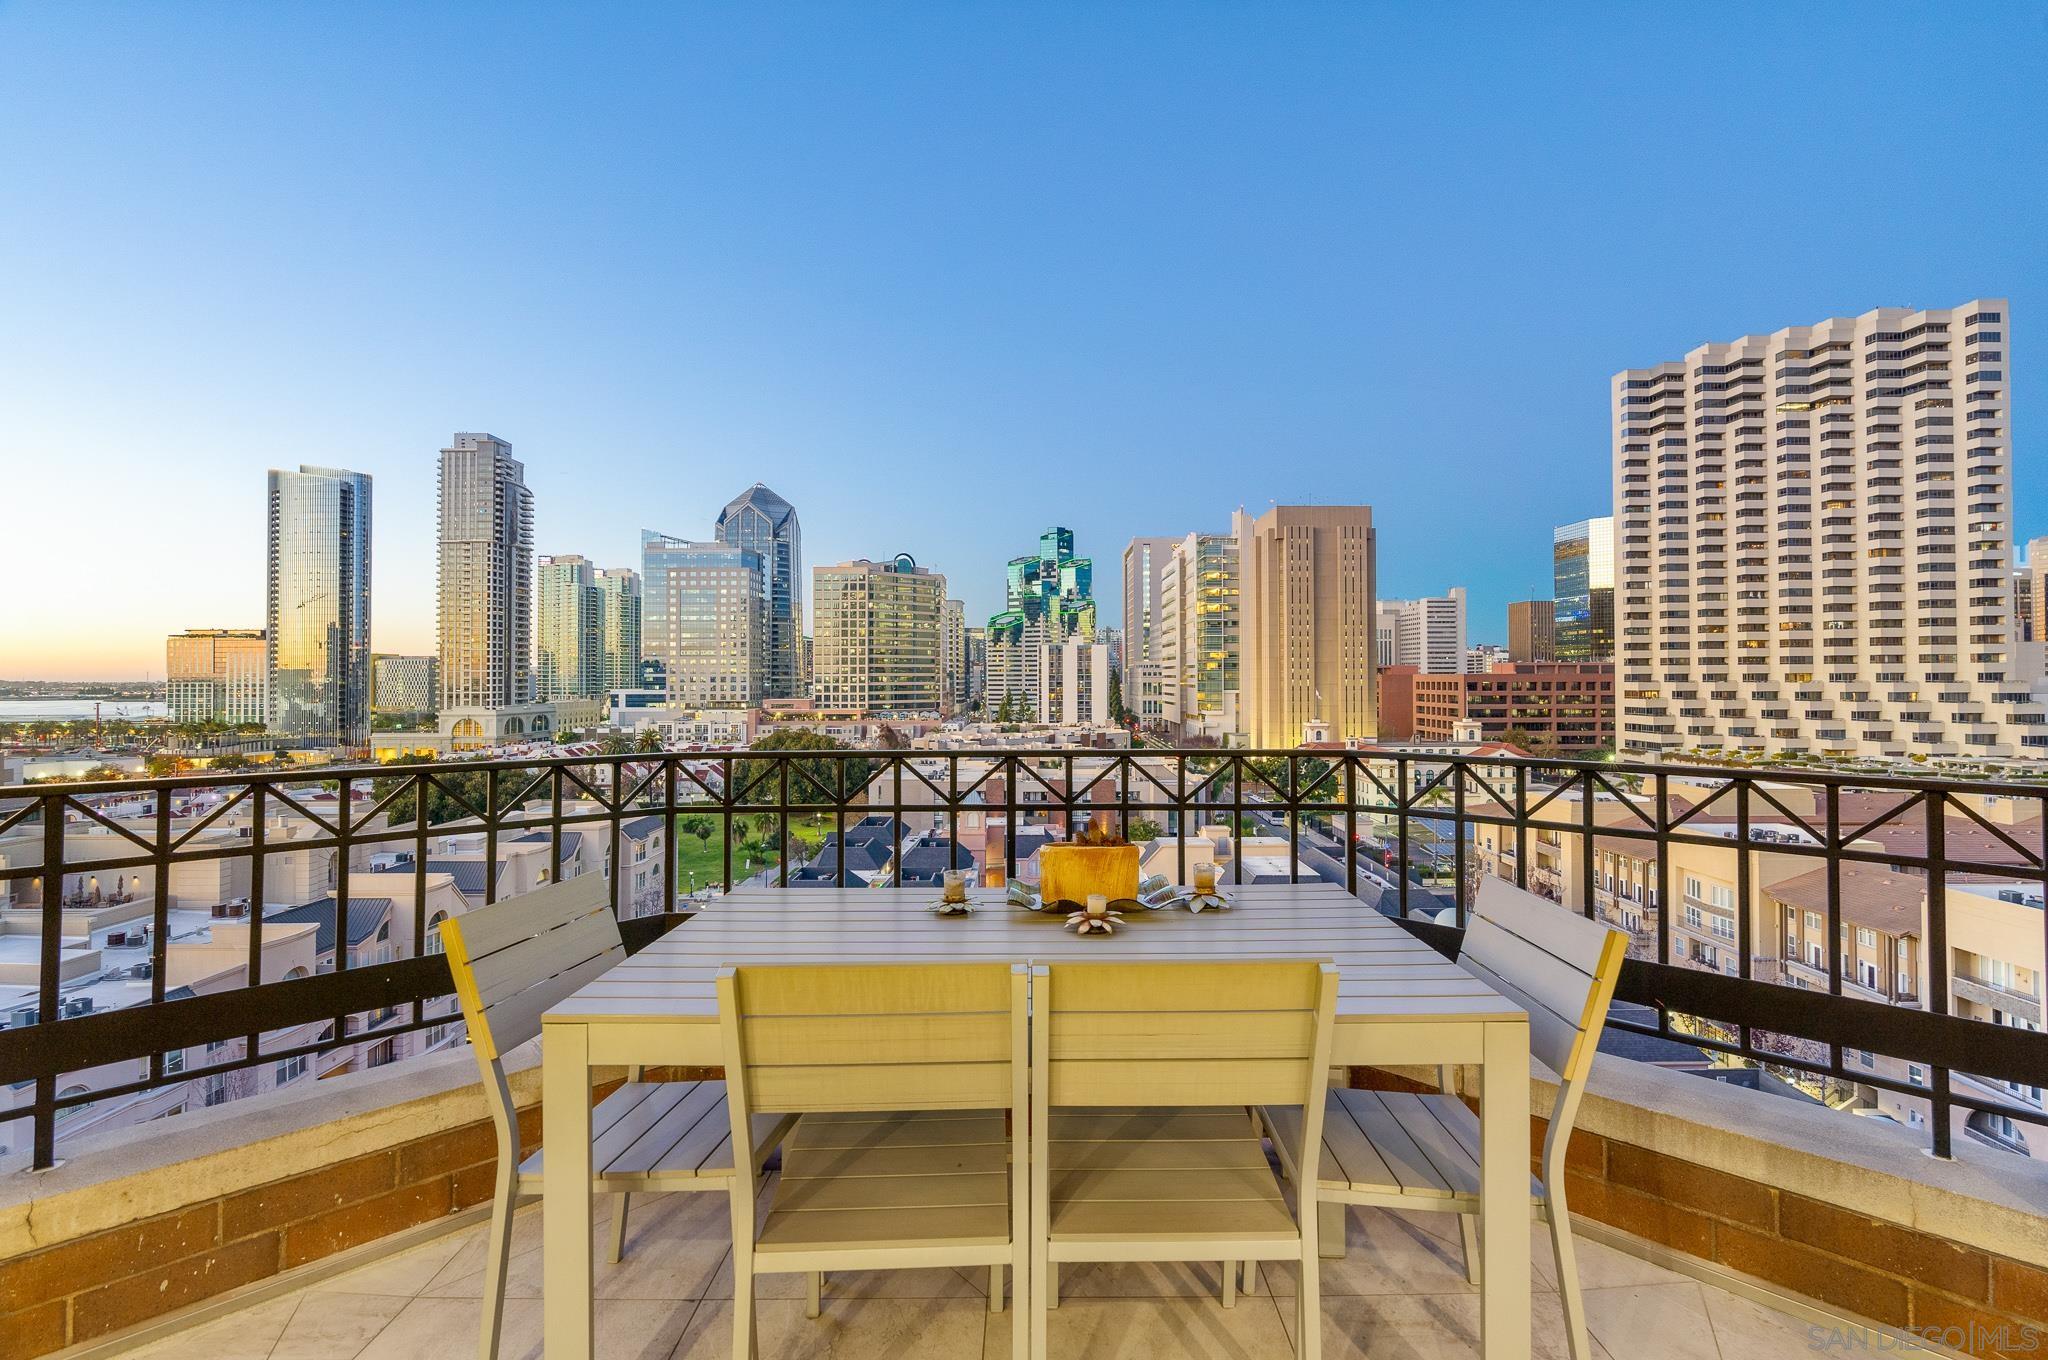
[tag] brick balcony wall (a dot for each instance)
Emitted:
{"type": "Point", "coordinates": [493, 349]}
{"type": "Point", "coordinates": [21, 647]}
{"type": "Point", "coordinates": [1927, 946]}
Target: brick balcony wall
{"type": "Point", "coordinates": [1851, 1263]}
{"type": "Point", "coordinates": [96, 1285]}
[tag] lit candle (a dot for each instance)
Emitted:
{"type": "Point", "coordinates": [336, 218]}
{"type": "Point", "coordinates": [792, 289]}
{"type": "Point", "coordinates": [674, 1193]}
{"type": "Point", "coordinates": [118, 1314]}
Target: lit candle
{"type": "Point", "coordinates": [1098, 905]}
{"type": "Point", "coordinates": [956, 885]}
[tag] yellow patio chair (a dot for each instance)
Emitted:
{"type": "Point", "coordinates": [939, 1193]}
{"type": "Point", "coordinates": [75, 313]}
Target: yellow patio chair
{"type": "Point", "coordinates": [911, 1079]}
{"type": "Point", "coordinates": [1421, 1152]}
{"type": "Point", "coordinates": [511, 962]}
{"type": "Point", "coordinates": [1142, 1147]}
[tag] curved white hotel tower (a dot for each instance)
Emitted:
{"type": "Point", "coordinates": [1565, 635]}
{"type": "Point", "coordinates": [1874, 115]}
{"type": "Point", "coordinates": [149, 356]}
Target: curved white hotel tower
{"type": "Point", "coordinates": [1814, 541]}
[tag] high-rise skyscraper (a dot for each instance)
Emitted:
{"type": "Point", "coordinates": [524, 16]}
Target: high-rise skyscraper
{"type": "Point", "coordinates": [1582, 557]}
{"type": "Point", "coordinates": [2037, 589]}
{"type": "Point", "coordinates": [618, 640]}
{"type": "Point", "coordinates": [1530, 631]}
{"type": "Point", "coordinates": [1815, 537]}
{"type": "Point", "coordinates": [1428, 634]}
{"type": "Point", "coordinates": [216, 675]}
{"type": "Point", "coordinates": [404, 684]}
{"type": "Point", "coordinates": [761, 521]}
{"type": "Point", "coordinates": [1306, 581]}
{"type": "Point", "coordinates": [1145, 563]}
{"type": "Point", "coordinates": [317, 656]}
{"type": "Point", "coordinates": [705, 618]}
{"type": "Point", "coordinates": [877, 629]}
{"type": "Point", "coordinates": [1048, 598]}
{"type": "Point", "coordinates": [486, 576]}
{"type": "Point", "coordinates": [1198, 636]}
{"type": "Point", "coordinates": [569, 660]}
{"type": "Point", "coordinates": [953, 659]}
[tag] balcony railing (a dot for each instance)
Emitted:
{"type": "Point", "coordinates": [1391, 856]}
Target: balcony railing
{"type": "Point", "coordinates": [1422, 869]}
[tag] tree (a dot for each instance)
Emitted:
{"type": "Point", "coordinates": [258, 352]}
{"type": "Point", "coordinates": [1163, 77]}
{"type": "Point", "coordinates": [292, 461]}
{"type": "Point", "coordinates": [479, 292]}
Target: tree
{"type": "Point", "coordinates": [452, 794]}
{"type": "Point", "coordinates": [650, 741]}
{"type": "Point", "coordinates": [696, 825]}
{"type": "Point", "coordinates": [232, 760]}
{"type": "Point", "coordinates": [1142, 829]}
{"type": "Point", "coordinates": [1116, 698]}
{"type": "Point", "coordinates": [163, 764]}
{"type": "Point", "coordinates": [812, 779]}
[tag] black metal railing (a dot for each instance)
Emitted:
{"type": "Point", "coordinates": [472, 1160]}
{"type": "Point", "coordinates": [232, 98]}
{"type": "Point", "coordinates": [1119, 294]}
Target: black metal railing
{"type": "Point", "coordinates": [1411, 834]}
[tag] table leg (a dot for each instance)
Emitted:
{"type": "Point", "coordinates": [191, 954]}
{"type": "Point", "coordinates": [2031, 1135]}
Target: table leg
{"type": "Point", "coordinates": [1329, 1230]}
{"type": "Point", "coordinates": [566, 1193]}
{"type": "Point", "coordinates": [1504, 1192]}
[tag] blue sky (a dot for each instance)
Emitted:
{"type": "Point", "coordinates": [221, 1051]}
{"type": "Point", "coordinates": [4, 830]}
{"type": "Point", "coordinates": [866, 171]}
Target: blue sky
{"type": "Point", "coordinates": [940, 274]}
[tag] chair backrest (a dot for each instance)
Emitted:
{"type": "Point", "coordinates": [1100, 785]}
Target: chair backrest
{"type": "Point", "coordinates": [1557, 965]}
{"type": "Point", "coordinates": [514, 960]}
{"type": "Point", "coordinates": [1183, 1033]}
{"type": "Point", "coordinates": [821, 1038]}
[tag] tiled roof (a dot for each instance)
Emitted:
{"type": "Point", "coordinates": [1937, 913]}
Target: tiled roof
{"type": "Point", "coordinates": [365, 915]}
{"type": "Point", "coordinates": [640, 828]}
{"type": "Point", "coordinates": [472, 876]}
{"type": "Point", "coordinates": [1871, 896]}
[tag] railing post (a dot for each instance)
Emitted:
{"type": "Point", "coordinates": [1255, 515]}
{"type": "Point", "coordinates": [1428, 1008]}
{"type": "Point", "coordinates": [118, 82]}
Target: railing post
{"type": "Point", "coordinates": [895, 760]}
{"type": "Point", "coordinates": [341, 886]}
{"type": "Point", "coordinates": [1663, 888]}
{"type": "Point", "coordinates": [419, 880]}
{"type": "Point", "coordinates": [1522, 827]}
{"type": "Point", "coordinates": [1938, 963]}
{"type": "Point", "coordinates": [1180, 818]}
{"type": "Point", "coordinates": [257, 836]}
{"type": "Point", "coordinates": [45, 1110]}
{"type": "Point", "coordinates": [1012, 800]}
{"type": "Point", "coordinates": [1742, 886]}
{"type": "Point", "coordinates": [1834, 924]}
{"type": "Point", "coordinates": [1293, 818]}
{"type": "Point", "coordinates": [1588, 842]}
{"type": "Point", "coordinates": [671, 859]}
{"type": "Point", "coordinates": [1351, 823]}
{"type": "Point", "coordinates": [1237, 817]}
{"type": "Point", "coordinates": [1458, 829]}
{"type": "Point", "coordinates": [618, 811]}
{"type": "Point", "coordinates": [1401, 800]}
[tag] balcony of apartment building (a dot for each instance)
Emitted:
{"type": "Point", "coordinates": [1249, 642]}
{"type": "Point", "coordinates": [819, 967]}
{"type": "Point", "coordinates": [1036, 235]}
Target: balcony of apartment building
{"type": "Point", "coordinates": [266, 1136]}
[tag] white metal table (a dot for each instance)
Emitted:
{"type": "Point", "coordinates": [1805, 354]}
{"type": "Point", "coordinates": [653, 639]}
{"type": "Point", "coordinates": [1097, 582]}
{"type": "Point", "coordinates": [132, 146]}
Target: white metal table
{"type": "Point", "coordinates": [1399, 1002]}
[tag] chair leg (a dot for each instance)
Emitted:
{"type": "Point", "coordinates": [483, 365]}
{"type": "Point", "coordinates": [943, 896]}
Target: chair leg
{"type": "Point", "coordinates": [497, 1260]}
{"type": "Point", "coordinates": [619, 1226]}
{"type": "Point", "coordinates": [995, 1289]}
{"type": "Point", "coordinates": [1309, 1299]}
{"type": "Point", "coordinates": [1468, 1233]}
{"type": "Point", "coordinates": [1566, 1253]}
{"type": "Point", "coordinates": [1251, 1276]}
{"type": "Point", "coordinates": [1052, 1284]}
{"type": "Point", "coordinates": [1040, 1289]}
{"type": "Point", "coordinates": [743, 1342]}
{"type": "Point", "coordinates": [1023, 1302]}
{"type": "Point", "coordinates": [814, 1293]}
{"type": "Point", "coordinates": [1229, 1283]}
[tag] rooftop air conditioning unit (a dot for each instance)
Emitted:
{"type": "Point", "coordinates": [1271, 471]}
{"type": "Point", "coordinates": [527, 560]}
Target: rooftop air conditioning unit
{"type": "Point", "coordinates": [77, 1005]}
{"type": "Point", "coordinates": [141, 970]}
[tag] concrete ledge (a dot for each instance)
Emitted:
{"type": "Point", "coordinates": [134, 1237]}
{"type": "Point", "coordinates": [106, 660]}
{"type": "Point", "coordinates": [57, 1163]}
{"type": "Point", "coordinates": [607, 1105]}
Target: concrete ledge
{"type": "Point", "coordinates": [1992, 1201]}
{"type": "Point", "coordinates": [113, 1179]}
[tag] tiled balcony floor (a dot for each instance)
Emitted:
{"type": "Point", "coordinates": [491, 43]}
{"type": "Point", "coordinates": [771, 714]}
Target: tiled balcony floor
{"type": "Point", "coordinates": [1399, 1294]}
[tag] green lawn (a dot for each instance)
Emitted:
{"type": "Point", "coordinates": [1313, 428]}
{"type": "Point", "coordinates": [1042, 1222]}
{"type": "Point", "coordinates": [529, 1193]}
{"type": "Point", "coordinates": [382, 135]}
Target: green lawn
{"type": "Point", "coordinates": [701, 863]}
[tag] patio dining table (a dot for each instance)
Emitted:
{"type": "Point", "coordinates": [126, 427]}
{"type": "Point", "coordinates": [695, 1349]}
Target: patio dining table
{"type": "Point", "coordinates": [1399, 1002]}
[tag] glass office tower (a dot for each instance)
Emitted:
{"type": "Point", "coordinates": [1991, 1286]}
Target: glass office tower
{"type": "Point", "coordinates": [764, 523]}
{"type": "Point", "coordinates": [317, 658]}
{"type": "Point", "coordinates": [1582, 627]}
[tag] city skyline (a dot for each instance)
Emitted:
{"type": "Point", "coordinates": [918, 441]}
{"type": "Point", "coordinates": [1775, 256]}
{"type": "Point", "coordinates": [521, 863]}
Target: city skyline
{"type": "Point", "coordinates": [891, 373]}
